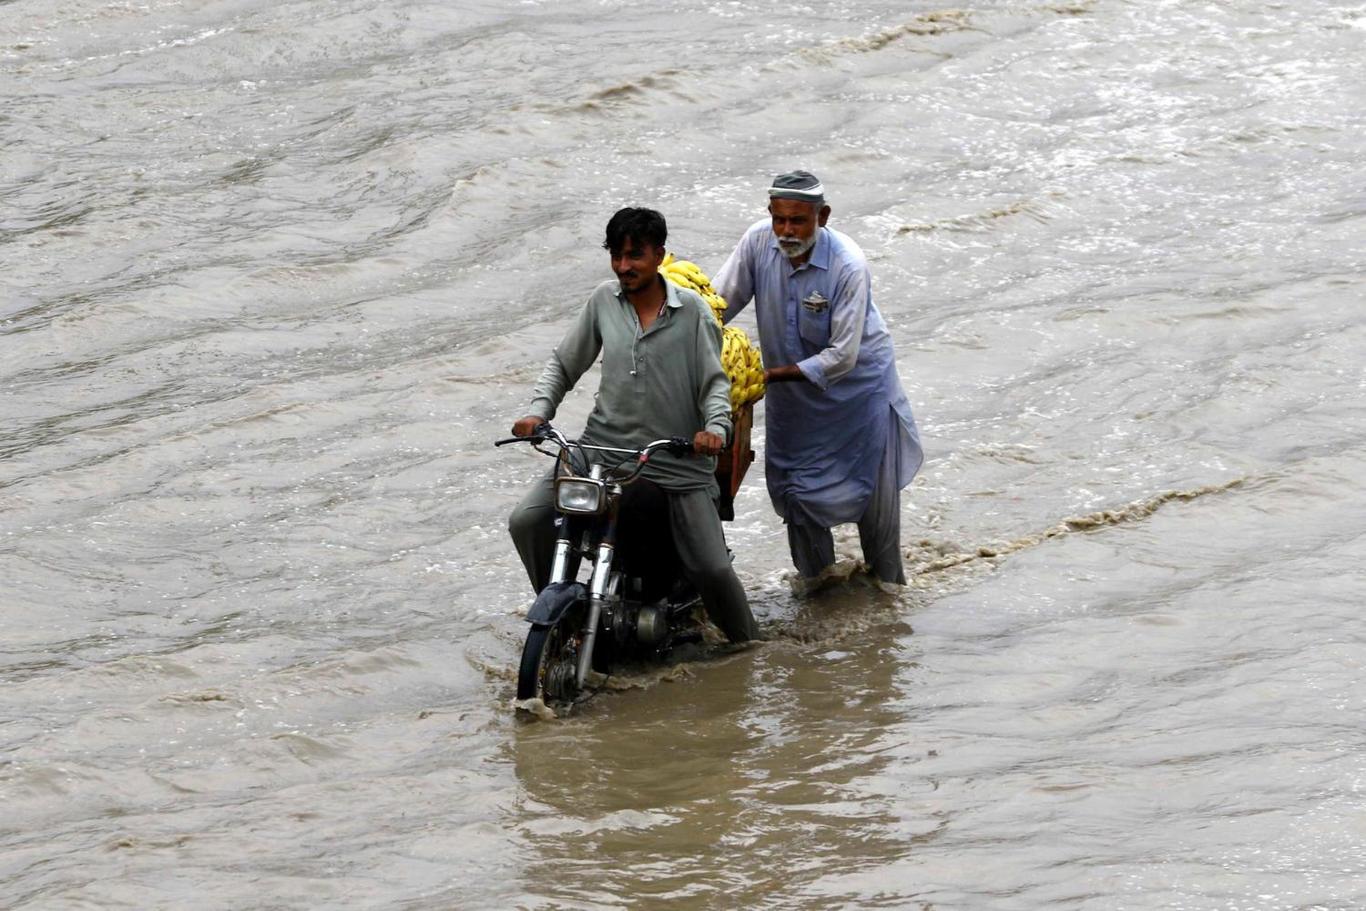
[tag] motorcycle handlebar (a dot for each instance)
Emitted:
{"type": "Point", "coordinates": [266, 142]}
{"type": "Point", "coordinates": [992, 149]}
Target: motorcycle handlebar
{"type": "Point", "coordinates": [677, 445]}
{"type": "Point", "coordinates": [541, 433]}
{"type": "Point", "coordinates": [544, 432]}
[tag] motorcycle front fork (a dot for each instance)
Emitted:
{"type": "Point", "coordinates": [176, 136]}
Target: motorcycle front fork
{"type": "Point", "coordinates": [600, 587]}
{"type": "Point", "coordinates": [597, 595]}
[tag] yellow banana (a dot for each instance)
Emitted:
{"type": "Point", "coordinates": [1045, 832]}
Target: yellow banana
{"type": "Point", "coordinates": [739, 357]}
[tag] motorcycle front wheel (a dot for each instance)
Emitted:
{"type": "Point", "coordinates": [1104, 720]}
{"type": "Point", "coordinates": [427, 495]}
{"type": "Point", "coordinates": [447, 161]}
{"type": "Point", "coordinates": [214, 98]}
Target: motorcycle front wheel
{"type": "Point", "coordinates": [550, 660]}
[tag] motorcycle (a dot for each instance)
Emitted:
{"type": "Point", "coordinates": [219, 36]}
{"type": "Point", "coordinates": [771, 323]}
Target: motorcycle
{"type": "Point", "coordinates": [636, 604]}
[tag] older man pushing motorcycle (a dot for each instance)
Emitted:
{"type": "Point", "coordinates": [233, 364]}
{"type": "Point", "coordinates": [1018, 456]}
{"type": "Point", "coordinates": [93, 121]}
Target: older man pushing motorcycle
{"type": "Point", "coordinates": [841, 439]}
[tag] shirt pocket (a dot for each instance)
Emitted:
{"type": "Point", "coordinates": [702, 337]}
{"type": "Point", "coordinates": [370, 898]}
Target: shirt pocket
{"type": "Point", "coordinates": [813, 325]}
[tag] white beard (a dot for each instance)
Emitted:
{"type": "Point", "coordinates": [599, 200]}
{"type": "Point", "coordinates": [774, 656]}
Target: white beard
{"type": "Point", "coordinates": [793, 247]}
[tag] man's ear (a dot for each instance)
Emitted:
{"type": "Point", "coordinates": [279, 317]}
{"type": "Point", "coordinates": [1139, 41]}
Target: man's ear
{"type": "Point", "coordinates": [823, 215]}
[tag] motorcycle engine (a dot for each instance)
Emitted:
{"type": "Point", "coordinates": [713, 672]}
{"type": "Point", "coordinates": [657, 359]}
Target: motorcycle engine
{"type": "Point", "coordinates": [652, 625]}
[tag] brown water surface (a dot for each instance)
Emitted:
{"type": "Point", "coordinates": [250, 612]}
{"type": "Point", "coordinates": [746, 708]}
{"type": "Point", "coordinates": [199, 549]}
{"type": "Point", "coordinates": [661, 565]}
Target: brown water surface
{"type": "Point", "coordinates": [273, 277]}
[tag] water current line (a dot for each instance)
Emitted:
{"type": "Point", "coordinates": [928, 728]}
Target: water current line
{"type": "Point", "coordinates": [1131, 512]}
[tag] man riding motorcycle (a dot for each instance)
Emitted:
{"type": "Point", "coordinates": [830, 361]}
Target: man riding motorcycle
{"type": "Point", "coordinates": [661, 378]}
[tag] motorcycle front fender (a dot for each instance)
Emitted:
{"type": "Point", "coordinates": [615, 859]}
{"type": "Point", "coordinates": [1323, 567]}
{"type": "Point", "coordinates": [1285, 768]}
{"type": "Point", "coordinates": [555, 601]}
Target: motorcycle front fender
{"type": "Point", "coordinates": [553, 601]}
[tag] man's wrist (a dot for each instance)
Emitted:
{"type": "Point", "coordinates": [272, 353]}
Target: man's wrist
{"type": "Point", "coordinates": [788, 373]}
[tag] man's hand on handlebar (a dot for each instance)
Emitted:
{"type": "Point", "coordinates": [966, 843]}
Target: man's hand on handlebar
{"type": "Point", "coordinates": [708, 444]}
{"type": "Point", "coordinates": [526, 426]}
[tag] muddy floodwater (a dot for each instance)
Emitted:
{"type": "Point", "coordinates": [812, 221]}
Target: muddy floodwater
{"type": "Point", "coordinates": [274, 276]}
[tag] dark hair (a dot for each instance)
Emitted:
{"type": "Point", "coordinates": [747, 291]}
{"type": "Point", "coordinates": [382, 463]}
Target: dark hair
{"type": "Point", "coordinates": [644, 226]}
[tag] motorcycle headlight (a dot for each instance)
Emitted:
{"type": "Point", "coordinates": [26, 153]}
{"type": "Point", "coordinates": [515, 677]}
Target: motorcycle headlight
{"type": "Point", "coordinates": [583, 496]}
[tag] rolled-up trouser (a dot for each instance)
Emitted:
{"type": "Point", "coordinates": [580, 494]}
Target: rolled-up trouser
{"type": "Point", "coordinates": [879, 531]}
{"type": "Point", "coordinates": [698, 538]}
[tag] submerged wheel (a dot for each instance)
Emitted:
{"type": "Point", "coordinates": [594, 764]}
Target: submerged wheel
{"type": "Point", "coordinates": [550, 660]}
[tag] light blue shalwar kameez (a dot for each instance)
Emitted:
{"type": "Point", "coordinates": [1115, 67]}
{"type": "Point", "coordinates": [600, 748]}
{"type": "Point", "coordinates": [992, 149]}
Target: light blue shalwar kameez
{"type": "Point", "coordinates": [840, 447]}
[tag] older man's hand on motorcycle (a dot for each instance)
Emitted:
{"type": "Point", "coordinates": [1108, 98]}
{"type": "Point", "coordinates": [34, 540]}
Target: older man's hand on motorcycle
{"type": "Point", "coordinates": [708, 444]}
{"type": "Point", "coordinates": [526, 426]}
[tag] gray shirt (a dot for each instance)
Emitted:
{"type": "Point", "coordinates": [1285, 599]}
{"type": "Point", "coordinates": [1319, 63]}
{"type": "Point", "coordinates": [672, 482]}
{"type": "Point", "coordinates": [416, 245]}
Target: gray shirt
{"type": "Point", "coordinates": [664, 382]}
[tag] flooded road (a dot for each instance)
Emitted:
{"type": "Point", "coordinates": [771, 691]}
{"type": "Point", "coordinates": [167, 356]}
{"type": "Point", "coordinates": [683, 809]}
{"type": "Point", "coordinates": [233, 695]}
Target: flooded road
{"type": "Point", "coordinates": [273, 277]}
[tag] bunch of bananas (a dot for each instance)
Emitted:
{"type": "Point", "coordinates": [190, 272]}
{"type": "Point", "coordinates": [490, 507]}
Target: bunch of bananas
{"type": "Point", "coordinates": [687, 275]}
{"type": "Point", "coordinates": [739, 357]}
{"type": "Point", "coordinates": [743, 365]}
